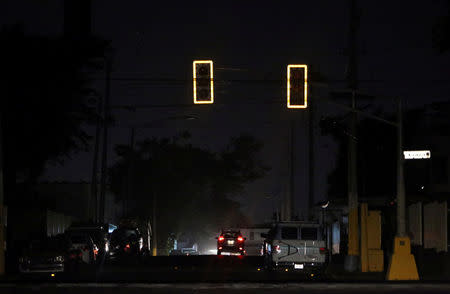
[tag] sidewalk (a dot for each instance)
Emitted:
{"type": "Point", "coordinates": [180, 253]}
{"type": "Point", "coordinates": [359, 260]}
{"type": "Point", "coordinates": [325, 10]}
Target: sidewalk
{"type": "Point", "coordinates": [336, 272]}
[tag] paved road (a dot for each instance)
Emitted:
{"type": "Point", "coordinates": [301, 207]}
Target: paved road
{"type": "Point", "coordinates": [174, 269]}
{"type": "Point", "coordinates": [219, 288]}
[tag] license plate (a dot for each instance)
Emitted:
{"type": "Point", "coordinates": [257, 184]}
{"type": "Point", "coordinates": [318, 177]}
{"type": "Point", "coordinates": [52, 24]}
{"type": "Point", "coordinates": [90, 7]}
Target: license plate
{"type": "Point", "coordinates": [230, 242]}
{"type": "Point", "coordinates": [298, 266]}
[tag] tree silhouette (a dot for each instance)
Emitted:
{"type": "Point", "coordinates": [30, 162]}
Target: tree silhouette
{"type": "Point", "coordinates": [193, 186]}
{"type": "Point", "coordinates": [45, 84]}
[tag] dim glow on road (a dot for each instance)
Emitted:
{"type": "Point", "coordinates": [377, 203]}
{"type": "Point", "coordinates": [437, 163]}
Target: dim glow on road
{"type": "Point", "coordinates": [305, 103]}
{"type": "Point", "coordinates": [194, 75]}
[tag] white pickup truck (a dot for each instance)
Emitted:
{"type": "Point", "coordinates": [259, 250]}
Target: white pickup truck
{"type": "Point", "coordinates": [297, 246]}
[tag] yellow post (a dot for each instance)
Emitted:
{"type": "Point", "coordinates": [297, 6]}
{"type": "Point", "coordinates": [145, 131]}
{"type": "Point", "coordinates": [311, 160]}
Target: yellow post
{"type": "Point", "coordinates": [364, 239]}
{"type": "Point", "coordinates": [402, 265]}
{"type": "Point", "coordinates": [155, 252]}
{"type": "Point", "coordinates": [375, 254]}
{"type": "Point", "coordinates": [353, 238]}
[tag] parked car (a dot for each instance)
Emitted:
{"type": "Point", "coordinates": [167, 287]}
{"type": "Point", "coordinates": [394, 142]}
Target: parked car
{"type": "Point", "coordinates": [46, 255]}
{"type": "Point", "coordinates": [98, 233]}
{"type": "Point", "coordinates": [126, 242]}
{"type": "Point", "coordinates": [81, 248]}
{"type": "Point", "coordinates": [142, 225]}
{"type": "Point", "coordinates": [175, 252]}
{"type": "Point", "coordinates": [230, 242]}
{"type": "Point", "coordinates": [296, 246]}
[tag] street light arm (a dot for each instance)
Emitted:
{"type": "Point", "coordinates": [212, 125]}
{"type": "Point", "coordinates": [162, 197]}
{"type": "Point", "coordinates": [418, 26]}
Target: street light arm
{"type": "Point", "coordinates": [359, 111]}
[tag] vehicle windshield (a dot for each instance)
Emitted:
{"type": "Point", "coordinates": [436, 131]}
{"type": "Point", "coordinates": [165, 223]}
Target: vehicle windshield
{"type": "Point", "coordinates": [120, 235]}
{"type": "Point", "coordinates": [46, 245]}
{"type": "Point", "coordinates": [225, 141]}
{"type": "Point", "coordinates": [231, 234]}
{"type": "Point", "coordinates": [78, 239]}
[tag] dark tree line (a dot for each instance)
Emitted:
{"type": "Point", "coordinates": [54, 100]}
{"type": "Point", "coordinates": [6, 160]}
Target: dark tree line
{"type": "Point", "coordinates": [195, 188]}
{"type": "Point", "coordinates": [44, 104]}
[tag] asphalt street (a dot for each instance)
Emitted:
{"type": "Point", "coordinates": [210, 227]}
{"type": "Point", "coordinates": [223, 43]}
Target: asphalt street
{"type": "Point", "coordinates": [218, 288]}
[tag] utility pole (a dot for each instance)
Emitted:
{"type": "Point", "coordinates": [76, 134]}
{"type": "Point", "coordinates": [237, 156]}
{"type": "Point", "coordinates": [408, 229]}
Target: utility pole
{"type": "Point", "coordinates": [402, 265]}
{"type": "Point", "coordinates": [401, 226]}
{"type": "Point", "coordinates": [154, 229]}
{"type": "Point", "coordinates": [291, 207]}
{"type": "Point", "coordinates": [108, 57]}
{"type": "Point", "coordinates": [130, 171]}
{"type": "Point", "coordinates": [351, 260]}
{"type": "Point", "coordinates": [94, 181]}
{"type": "Point", "coordinates": [2, 198]}
{"type": "Point", "coordinates": [311, 161]}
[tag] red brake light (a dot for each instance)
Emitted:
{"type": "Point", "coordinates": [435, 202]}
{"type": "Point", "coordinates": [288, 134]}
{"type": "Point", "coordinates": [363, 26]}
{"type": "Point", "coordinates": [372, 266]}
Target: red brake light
{"type": "Point", "coordinates": [240, 239]}
{"type": "Point", "coordinates": [323, 250]}
{"type": "Point", "coordinates": [221, 238]}
{"type": "Point", "coordinates": [277, 249]}
{"type": "Point", "coordinates": [126, 248]}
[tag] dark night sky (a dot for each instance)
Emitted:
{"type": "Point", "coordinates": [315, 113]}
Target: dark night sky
{"type": "Point", "coordinates": [160, 40]}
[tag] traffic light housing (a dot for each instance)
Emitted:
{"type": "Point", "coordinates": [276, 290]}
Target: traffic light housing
{"type": "Point", "coordinates": [297, 86]}
{"type": "Point", "coordinates": [203, 82]}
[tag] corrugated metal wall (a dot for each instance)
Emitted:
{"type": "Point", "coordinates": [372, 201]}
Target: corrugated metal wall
{"type": "Point", "coordinates": [435, 226]}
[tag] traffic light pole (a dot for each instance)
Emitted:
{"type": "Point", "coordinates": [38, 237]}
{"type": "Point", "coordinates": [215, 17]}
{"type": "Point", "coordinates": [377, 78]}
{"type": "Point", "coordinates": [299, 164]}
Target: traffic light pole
{"type": "Point", "coordinates": [402, 265]}
{"type": "Point", "coordinates": [352, 258]}
{"type": "Point", "coordinates": [311, 162]}
{"type": "Point", "coordinates": [2, 198]}
{"type": "Point", "coordinates": [106, 108]}
{"type": "Point", "coordinates": [401, 216]}
{"type": "Point", "coordinates": [154, 229]}
{"type": "Point", "coordinates": [94, 180]}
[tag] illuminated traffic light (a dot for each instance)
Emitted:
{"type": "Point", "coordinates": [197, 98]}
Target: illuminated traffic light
{"type": "Point", "coordinates": [297, 86]}
{"type": "Point", "coordinates": [203, 82]}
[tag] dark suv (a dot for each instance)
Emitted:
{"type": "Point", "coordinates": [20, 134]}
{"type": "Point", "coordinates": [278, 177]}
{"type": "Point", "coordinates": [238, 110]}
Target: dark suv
{"type": "Point", "coordinates": [98, 233]}
{"type": "Point", "coordinates": [230, 242]}
{"type": "Point", "coordinates": [126, 242]}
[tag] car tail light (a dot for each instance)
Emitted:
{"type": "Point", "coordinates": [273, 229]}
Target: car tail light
{"type": "Point", "coordinates": [277, 249]}
{"type": "Point", "coordinates": [240, 248]}
{"type": "Point", "coordinates": [220, 248]}
{"type": "Point", "coordinates": [240, 239]}
{"type": "Point", "coordinates": [127, 247]}
{"type": "Point", "coordinates": [221, 238]}
{"type": "Point", "coordinates": [323, 250]}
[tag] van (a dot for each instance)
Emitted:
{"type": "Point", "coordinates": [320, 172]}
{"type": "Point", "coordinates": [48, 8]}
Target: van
{"type": "Point", "coordinates": [299, 246]}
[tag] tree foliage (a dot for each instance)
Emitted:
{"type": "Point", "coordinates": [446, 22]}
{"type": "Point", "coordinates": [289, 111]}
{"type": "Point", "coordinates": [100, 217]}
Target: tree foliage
{"type": "Point", "coordinates": [441, 32]}
{"type": "Point", "coordinates": [193, 186]}
{"type": "Point", "coordinates": [43, 106]}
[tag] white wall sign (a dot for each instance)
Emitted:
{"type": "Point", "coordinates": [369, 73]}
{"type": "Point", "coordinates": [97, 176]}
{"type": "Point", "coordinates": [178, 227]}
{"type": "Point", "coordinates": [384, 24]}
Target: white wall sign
{"type": "Point", "coordinates": [419, 154]}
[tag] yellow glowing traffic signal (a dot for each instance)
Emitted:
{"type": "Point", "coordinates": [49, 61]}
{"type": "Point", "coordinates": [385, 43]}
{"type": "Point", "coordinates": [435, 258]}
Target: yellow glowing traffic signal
{"type": "Point", "coordinates": [203, 82]}
{"type": "Point", "coordinates": [297, 86]}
